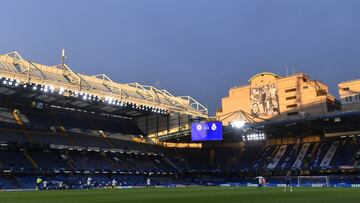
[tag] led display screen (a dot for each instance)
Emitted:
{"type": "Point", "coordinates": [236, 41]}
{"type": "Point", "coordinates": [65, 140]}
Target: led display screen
{"type": "Point", "coordinates": [206, 131]}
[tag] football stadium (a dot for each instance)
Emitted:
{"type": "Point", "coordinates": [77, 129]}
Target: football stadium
{"type": "Point", "coordinates": [91, 136]}
{"type": "Point", "coordinates": [69, 135]}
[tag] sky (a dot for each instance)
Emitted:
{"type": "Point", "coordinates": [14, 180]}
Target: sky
{"type": "Point", "coordinates": [199, 48]}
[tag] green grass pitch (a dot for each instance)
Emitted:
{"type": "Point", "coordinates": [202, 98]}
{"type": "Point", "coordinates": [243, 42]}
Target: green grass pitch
{"type": "Point", "coordinates": [187, 195]}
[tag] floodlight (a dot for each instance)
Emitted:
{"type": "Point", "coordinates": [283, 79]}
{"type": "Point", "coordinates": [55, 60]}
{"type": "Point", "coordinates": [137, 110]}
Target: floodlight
{"type": "Point", "coordinates": [238, 123]}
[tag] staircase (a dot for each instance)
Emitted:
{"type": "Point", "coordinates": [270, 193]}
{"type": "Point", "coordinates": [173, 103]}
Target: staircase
{"type": "Point", "coordinates": [109, 141]}
{"type": "Point", "coordinates": [166, 160]}
{"type": "Point", "coordinates": [113, 164]}
{"type": "Point", "coordinates": [14, 181]}
{"type": "Point", "coordinates": [103, 136]}
{"type": "Point", "coordinates": [185, 161]}
{"type": "Point", "coordinates": [28, 157]}
{"type": "Point", "coordinates": [63, 131]}
{"type": "Point", "coordinates": [21, 124]}
{"type": "Point", "coordinates": [69, 161]}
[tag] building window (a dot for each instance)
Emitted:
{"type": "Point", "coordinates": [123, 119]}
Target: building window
{"type": "Point", "coordinates": [306, 87]}
{"type": "Point", "coordinates": [290, 90]}
{"type": "Point", "coordinates": [293, 113]}
{"type": "Point", "coordinates": [346, 88]}
{"type": "Point", "coordinates": [321, 93]}
{"type": "Point", "coordinates": [346, 99]}
{"type": "Point", "coordinates": [291, 98]}
{"type": "Point", "coordinates": [291, 106]}
{"type": "Point", "coordinates": [350, 98]}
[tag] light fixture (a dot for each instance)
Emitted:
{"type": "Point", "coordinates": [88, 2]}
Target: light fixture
{"type": "Point", "coordinates": [238, 123]}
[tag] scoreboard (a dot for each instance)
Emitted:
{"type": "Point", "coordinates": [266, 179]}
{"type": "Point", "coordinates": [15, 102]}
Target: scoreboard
{"type": "Point", "coordinates": [206, 131]}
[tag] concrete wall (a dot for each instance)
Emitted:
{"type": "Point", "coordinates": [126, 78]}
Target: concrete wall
{"type": "Point", "coordinates": [350, 95]}
{"type": "Point", "coordinates": [296, 94]}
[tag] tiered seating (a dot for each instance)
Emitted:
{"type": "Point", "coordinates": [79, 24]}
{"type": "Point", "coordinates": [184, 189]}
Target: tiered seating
{"type": "Point", "coordinates": [7, 119]}
{"type": "Point", "coordinates": [247, 157]}
{"type": "Point", "coordinates": [288, 158]}
{"type": "Point", "coordinates": [14, 160]}
{"type": "Point", "coordinates": [197, 159]}
{"type": "Point", "coordinates": [9, 136]}
{"type": "Point", "coordinates": [5, 183]}
{"type": "Point", "coordinates": [176, 159]}
{"type": "Point", "coordinates": [319, 155]}
{"type": "Point", "coordinates": [46, 138]}
{"type": "Point", "coordinates": [84, 144]}
{"type": "Point", "coordinates": [265, 157]}
{"type": "Point", "coordinates": [69, 128]}
{"type": "Point", "coordinates": [345, 156]}
{"type": "Point", "coordinates": [37, 121]}
{"type": "Point", "coordinates": [27, 181]}
{"type": "Point", "coordinates": [48, 160]}
{"type": "Point", "coordinates": [90, 161]}
{"type": "Point", "coordinates": [223, 157]}
{"type": "Point", "coordinates": [89, 141]}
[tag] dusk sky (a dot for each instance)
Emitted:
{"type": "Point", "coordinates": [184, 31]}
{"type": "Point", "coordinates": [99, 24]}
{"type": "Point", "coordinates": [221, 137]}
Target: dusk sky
{"type": "Point", "coordinates": [199, 48]}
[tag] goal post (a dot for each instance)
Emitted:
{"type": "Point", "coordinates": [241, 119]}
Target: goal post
{"type": "Point", "coordinates": [313, 181]}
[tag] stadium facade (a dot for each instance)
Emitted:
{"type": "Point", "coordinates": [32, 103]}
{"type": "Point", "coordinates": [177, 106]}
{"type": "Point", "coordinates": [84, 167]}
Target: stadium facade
{"type": "Point", "coordinates": [269, 96]}
{"type": "Point", "coordinates": [349, 92]}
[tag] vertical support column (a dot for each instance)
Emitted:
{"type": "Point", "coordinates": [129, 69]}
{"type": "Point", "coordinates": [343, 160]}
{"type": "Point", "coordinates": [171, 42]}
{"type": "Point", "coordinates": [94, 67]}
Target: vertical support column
{"type": "Point", "coordinates": [212, 155]}
{"type": "Point", "coordinates": [179, 122]}
{"type": "Point", "coordinates": [147, 124]}
{"type": "Point", "coordinates": [189, 121]}
{"type": "Point", "coordinates": [157, 127]}
{"type": "Point", "coordinates": [167, 124]}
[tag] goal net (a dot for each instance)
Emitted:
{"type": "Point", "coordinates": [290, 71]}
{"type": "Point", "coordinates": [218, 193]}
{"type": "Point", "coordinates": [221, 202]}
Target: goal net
{"type": "Point", "coordinates": [313, 181]}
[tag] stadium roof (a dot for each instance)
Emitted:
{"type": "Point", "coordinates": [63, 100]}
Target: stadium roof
{"type": "Point", "coordinates": [62, 79]}
{"type": "Point", "coordinates": [341, 123]}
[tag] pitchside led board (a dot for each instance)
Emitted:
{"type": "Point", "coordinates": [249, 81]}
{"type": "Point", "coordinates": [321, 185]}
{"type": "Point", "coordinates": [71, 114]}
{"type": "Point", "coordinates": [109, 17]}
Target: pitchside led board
{"type": "Point", "coordinates": [206, 131]}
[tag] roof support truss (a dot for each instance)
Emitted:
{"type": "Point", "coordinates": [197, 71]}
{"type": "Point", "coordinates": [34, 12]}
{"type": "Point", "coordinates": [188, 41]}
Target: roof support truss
{"type": "Point", "coordinates": [142, 90]}
{"type": "Point", "coordinates": [19, 60]}
{"type": "Point", "coordinates": [107, 82]}
{"type": "Point", "coordinates": [195, 104]}
{"type": "Point", "coordinates": [75, 78]}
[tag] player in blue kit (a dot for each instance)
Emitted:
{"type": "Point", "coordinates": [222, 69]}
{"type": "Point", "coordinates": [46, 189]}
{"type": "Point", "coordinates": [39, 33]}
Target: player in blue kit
{"type": "Point", "coordinates": [288, 186]}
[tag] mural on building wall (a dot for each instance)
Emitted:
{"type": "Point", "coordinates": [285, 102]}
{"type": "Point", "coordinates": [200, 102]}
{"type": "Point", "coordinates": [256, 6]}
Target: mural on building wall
{"type": "Point", "coordinates": [264, 101]}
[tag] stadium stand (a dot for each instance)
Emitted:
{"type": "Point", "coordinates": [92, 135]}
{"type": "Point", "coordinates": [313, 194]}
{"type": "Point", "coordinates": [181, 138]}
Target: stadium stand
{"type": "Point", "coordinates": [64, 137]}
{"type": "Point", "coordinates": [62, 143]}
